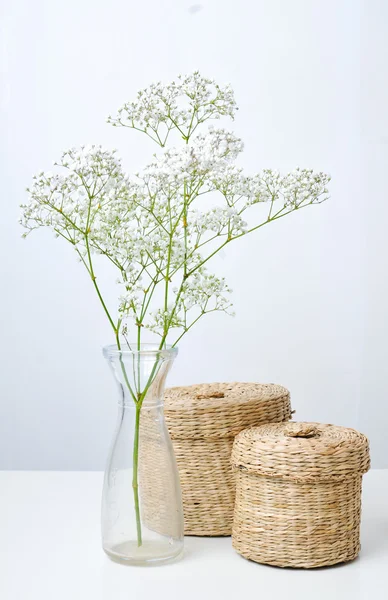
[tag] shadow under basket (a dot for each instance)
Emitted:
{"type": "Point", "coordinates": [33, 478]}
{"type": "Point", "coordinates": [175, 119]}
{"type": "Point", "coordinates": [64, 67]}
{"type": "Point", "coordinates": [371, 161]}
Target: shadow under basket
{"type": "Point", "coordinates": [203, 421]}
{"type": "Point", "coordinates": [298, 494]}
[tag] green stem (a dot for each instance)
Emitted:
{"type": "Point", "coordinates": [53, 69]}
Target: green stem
{"type": "Point", "coordinates": [91, 270]}
{"type": "Point", "coordinates": [278, 215]}
{"type": "Point", "coordinates": [123, 369]}
{"type": "Point", "coordinates": [135, 475]}
{"type": "Point", "coordinates": [208, 257]}
{"type": "Point", "coordinates": [187, 329]}
{"type": "Point", "coordinates": [167, 278]}
{"type": "Point", "coordinates": [138, 358]}
{"type": "Point", "coordinates": [185, 227]}
{"type": "Point", "coordinates": [135, 479]}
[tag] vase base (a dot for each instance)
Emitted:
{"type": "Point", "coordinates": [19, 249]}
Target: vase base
{"type": "Point", "coordinates": [148, 554]}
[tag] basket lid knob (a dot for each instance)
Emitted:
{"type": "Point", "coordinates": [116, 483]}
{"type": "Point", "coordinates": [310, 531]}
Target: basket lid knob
{"type": "Point", "coordinates": [301, 430]}
{"type": "Point", "coordinates": [210, 395]}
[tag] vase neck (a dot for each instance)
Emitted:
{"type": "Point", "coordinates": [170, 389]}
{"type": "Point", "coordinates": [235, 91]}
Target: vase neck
{"type": "Point", "coordinates": [141, 375]}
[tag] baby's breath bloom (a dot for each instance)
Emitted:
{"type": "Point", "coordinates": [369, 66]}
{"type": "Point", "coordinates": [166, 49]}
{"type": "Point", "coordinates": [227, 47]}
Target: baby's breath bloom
{"type": "Point", "coordinates": [183, 105]}
{"type": "Point", "coordinates": [206, 292]}
{"type": "Point", "coordinates": [161, 226]}
{"type": "Point", "coordinates": [73, 201]}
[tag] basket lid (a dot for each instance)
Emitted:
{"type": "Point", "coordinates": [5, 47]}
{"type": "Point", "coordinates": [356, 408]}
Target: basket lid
{"type": "Point", "coordinates": [301, 451]}
{"type": "Point", "coordinates": [215, 410]}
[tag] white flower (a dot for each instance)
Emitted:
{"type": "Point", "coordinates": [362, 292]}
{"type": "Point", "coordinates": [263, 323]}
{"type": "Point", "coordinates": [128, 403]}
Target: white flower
{"type": "Point", "coordinates": [71, 202]}
{"type": "Point", "coordinates": [207, 155]}
{"type": "Point", "coordinates": [130, 301]}
{"type": "Point", "coordinates": [183, 104]}
{"type": "Point", "coordinates": [217, 220]}
{"type": "Point", "coordinates": [159, 227]}
{"type": "Point", "coordinates": [205, 291]}
{"type": "Point", "coordinates": [303, 186]}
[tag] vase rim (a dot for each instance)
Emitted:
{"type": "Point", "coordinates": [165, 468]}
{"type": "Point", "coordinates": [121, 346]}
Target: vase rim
{"type": "Point", "coordinates": [146, 350]}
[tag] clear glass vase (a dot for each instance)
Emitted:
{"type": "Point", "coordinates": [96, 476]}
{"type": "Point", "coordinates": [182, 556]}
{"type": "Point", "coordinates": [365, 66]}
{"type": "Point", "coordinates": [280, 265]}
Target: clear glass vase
{"type": "Point", "coordinates": [142, 514]}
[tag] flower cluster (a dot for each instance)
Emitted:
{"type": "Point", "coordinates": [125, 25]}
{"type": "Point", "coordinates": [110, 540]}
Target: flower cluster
{"type": "Point", "coordinates": [161, 226]}
{"type": "Point", "coordinates": [182, 105]}
{"type": "Point", "coordinates": [304, 186]}
{"type": "Point", "coordinates": [202, 294]}
{"type": "Point", "coordinates": [71, 202]}
{"type": "Point", "coordinates": [217, 220]}
{"type": "Point", "coordinates": [206, 292]}
{"type": "Point", "coordinates": [206, 156]}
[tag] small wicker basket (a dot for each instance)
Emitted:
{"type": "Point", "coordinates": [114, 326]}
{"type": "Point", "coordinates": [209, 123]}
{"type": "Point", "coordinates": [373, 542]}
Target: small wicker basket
{"type": "Point", "coordinates": [203, 421]}
{"type": "Point", "coordinates": [298, 496]}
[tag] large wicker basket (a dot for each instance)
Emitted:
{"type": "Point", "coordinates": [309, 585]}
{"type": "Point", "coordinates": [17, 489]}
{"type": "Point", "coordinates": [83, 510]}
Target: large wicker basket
{"type": "Point", "coordinates": [203, 421]}
{"type": "Point", "coordinates": [298, 496]}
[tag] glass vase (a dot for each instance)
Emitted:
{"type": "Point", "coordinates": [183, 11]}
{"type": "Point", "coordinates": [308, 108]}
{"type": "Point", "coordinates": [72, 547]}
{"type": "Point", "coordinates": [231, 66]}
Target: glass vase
{"type": "Point", "coordinates": [142, 514]}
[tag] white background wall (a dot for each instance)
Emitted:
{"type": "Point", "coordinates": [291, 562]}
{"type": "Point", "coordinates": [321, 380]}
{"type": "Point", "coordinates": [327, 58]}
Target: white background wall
{"type": "Point", "coordinates": [310, 291]}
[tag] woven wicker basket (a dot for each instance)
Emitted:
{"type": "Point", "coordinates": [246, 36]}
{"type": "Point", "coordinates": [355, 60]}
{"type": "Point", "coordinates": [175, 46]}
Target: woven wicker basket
{"type": "Point", "coordinates": [203, 421]}
{"type": "Point", "coordinates": [298, 496]}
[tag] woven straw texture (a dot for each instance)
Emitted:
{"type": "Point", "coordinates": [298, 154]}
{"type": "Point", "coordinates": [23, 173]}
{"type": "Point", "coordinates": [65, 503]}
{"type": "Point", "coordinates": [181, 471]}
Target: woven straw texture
{"type": "Point", "coordinates": [202, 421]}
{"type": "Point", "coordinates": [298, 493]}
{"type": "Point", "coordinates": [159, 487]}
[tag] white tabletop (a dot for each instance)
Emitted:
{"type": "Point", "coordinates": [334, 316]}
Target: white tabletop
{"type": "Point", "coordinates": [50, 550]}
